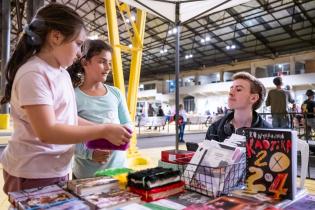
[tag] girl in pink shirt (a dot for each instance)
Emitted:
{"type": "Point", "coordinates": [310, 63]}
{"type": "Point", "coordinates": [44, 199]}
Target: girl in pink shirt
{"type": "Point", "coordinates": [43, 106]}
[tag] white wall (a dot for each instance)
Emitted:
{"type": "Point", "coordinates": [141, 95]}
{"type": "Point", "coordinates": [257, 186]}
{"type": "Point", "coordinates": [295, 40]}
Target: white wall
{"type": "Point", "coordinates": [213, 95]}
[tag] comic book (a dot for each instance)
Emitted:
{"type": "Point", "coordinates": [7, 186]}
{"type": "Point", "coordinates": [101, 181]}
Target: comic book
{"type": "Point", "coordinates": [92, 185]}
{"type": "Point", "coordinates": [271, 162]}
{"type": "Point", "coordinates": [111, 200]}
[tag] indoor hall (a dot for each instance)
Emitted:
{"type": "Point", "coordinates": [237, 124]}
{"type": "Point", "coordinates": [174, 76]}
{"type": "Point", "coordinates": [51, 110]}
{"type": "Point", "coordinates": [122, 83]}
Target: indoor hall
{"type": "Point", "coordinates": [153, 68]}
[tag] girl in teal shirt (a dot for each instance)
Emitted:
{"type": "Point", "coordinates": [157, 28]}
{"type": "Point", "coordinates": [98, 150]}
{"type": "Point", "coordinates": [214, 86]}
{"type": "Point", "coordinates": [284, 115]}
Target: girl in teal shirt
{"type": "Point", "coordinates": [98, 103]}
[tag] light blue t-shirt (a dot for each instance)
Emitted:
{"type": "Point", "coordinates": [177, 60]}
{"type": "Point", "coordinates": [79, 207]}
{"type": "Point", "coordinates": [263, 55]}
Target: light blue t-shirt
{"type": "Point", "coordinates": [110, 108]}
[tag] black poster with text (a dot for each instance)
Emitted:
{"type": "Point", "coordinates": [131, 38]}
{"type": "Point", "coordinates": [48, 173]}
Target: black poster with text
{"type": "Point", "coordinates": [271, 162]}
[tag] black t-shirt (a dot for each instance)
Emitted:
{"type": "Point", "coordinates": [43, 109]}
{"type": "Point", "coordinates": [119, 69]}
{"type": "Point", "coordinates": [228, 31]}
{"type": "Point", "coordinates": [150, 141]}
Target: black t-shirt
{"type": "Point", "coordinates": [308, 107]}
{"type": "Point", "coordinates": [221, 129]}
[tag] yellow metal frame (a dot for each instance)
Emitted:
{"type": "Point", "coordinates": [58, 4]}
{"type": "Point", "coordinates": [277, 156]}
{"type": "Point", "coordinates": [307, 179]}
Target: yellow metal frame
{"type": "Point", "coordinates": [135, 160]}
{"type": "Point", "coordinates": [134, 77]}
{"type": "Point", "coordinates": [113, 33]}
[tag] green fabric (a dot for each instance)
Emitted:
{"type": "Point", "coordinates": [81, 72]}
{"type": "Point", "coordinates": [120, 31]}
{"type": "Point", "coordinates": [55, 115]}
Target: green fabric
{"type": "Point", "coordinates": [112, 171]}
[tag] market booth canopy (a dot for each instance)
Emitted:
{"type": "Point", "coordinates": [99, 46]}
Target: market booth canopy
{"type": "Point", "coordinates": [179, 12]}
{"type": "Point", "coordinates": [188, 9]}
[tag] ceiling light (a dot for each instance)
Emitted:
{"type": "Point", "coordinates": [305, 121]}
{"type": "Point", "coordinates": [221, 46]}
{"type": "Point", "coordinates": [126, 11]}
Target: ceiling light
{"type": "Point", "coordinates": [230, 47]}
{"type": "Point", "coordinates": [93, 37]}
{"type": "Point", "coordinates": [130, 46]}
{"type": "Point", "coordinates": [188, 56]}
{"type": "Point", "coordinates": [162, 51]}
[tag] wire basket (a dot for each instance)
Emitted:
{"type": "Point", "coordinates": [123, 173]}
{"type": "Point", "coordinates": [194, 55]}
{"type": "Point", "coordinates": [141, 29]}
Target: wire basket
{"type": "Point", "coordinates": [213, 181]}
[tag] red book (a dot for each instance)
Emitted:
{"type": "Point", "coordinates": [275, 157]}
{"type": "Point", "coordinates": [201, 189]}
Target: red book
{"type": "Point", "coordinates": [177, 156]}
{"type": "Point", "coordinates": [159, 192]}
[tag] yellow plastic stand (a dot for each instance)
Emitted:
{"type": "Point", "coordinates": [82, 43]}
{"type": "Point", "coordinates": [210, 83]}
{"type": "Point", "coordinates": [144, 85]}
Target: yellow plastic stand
{"type": "Point", "coordinates": [139, 162]}
{"type": "Point", "coordinates": [4, 121]}
{"type": "Point", "coordinates": [135, 160]}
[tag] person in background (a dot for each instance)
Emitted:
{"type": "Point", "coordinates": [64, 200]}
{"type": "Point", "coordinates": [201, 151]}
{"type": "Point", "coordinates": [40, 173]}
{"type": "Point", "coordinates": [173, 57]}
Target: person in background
{"type": "Point", "coordinates": [308, 107]}
{"type": "Point", "coordinates": [151, 113]}
{"type": "Point", "coordinates": [98, 103]}
{"type": "Point", "coordinates": [168, 114]}
{"type": "Point", "coordinates": [278, 99]}
{"type": "Point", "coordinates": [160, 114]}
{"type": "Point", "coordinates": [246, 95]}
{"type": "Point", "coordinates": [182, 122]}
{"type": "Point", "coordinates": [43, 107]}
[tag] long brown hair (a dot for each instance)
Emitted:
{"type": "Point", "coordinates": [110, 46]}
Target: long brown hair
{"type": "Point", "coordinates": [89, 49]}
{"type": "Point", "coordinates": [50, 17]}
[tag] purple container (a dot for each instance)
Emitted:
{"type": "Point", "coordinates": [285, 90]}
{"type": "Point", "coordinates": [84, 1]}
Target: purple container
{"type": "Point", "coordinates": [105, 144]}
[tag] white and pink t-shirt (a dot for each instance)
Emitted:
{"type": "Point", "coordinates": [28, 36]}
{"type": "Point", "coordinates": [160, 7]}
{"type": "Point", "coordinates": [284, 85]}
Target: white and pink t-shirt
{"type": "Point", "coordinates": [26, 155]}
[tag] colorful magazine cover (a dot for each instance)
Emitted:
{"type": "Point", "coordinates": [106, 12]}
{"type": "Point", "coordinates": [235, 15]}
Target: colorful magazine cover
{"type": "Point", "coordinates": [111, 200]}
{"type": "Point", "coordinates": [92, 185]}
{"type": "Point", "coordinates": [15, 197]}
{"type": "Point", "coordinates": [45, 201]}
{"type": "Point", "coordinates": [305, 203]}
{"type": "Point", "coordinates": [230, 203]}
{"type": "Point", "coordinates": [188, 198]}
{"type": "Point", "coordinates": [271, 162]}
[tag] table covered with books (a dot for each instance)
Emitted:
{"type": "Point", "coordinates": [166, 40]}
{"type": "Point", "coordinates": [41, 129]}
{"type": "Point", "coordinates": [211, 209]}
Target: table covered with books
{"type": "Point", "coordinates": [256, 170]}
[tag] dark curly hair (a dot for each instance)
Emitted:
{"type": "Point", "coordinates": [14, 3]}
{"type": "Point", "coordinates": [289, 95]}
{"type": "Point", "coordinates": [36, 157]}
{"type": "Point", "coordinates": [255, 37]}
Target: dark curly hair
{"type": "Point", "coordinates": [89, 49]}
{"type": "Point", "coordinates": [256, 87]}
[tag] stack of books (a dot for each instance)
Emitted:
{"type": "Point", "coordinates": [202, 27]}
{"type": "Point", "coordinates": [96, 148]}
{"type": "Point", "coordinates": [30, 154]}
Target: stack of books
{"type": "Point", "coordinates": [102, 192]}
{"type": "Point", "coordinates": [83, 187]}
{"type": "Point", "coordinates": [155, 183]}
{"type": "Point", "coordinates": [49, 197]}
{"type": "Point", "coordinates": [111, 200]}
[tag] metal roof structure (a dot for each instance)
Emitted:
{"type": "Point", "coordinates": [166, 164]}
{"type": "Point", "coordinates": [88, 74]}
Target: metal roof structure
{"type": "Point", "coordinates": [252, 30]}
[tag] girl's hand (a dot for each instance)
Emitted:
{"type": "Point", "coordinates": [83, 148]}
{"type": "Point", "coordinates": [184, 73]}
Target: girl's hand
{"type": "Point", "coordinates": [101, 156]}
{"type": "Point", "coordinates": [117, 134]}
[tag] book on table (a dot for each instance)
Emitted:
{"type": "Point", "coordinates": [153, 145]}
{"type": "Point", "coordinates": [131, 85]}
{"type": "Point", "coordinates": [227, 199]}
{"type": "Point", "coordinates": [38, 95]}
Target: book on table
{"type": "Point", "coordinates": [189, 198]}
{"type": "Point", "coordinates": [19, 196]}
{"type": "Point", "coordinates": [73, 204]}
{"type": "Point", "coordinates": [92, 185]}
{"type": "Point", "coordinates": [231, 203]}
{"type": "Point", "coordinates": [307, 202]}
{"type": "Point", "coordinates": [159, 192]}
{"type": "Point", "coordinates": [271, 162]}
{"type": "Point", "coordinates": [153, 177]}
{"type": "Point", "coordinates": [41, 198]}
{"type": "Point", "coordinates": [263, 197]}
{"type": "Point", "coordinates": [111, 200]}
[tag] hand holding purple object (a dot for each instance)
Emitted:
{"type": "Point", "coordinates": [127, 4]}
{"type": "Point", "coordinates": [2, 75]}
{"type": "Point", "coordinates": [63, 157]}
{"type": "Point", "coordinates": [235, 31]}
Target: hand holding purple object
{"type": "Point", "coordinates": [106, 144]}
